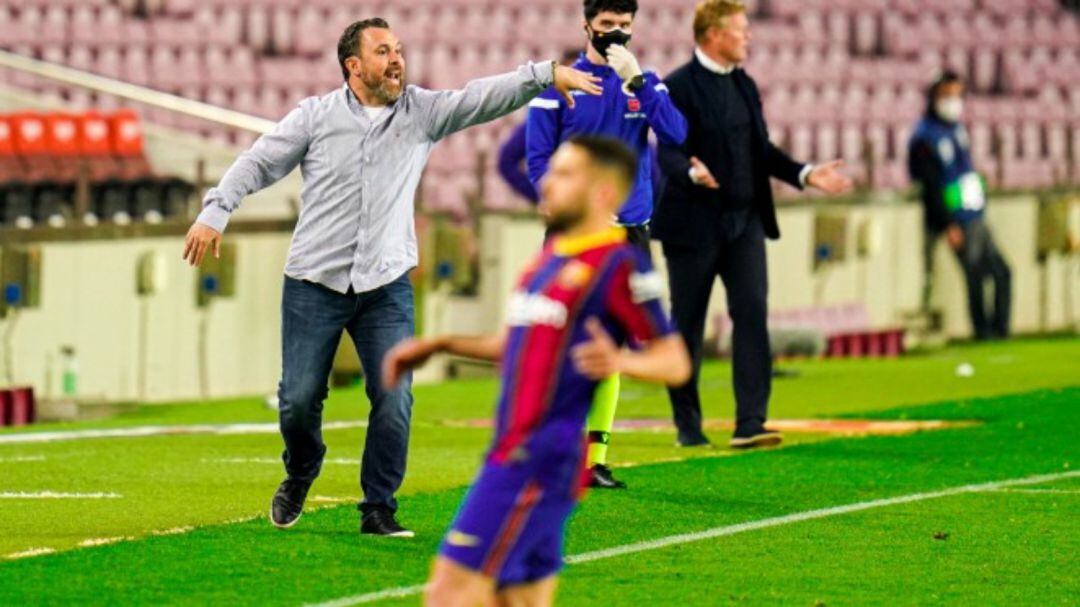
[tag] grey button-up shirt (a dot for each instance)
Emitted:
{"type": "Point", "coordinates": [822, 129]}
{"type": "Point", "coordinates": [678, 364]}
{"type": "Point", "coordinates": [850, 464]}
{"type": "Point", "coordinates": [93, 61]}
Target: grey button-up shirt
{"type": "Point", "coordinates": [356, 225]}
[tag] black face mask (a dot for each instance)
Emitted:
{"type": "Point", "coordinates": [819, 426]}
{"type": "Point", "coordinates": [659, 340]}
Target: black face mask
{"type": "Point", "coordinates": [602, 40]}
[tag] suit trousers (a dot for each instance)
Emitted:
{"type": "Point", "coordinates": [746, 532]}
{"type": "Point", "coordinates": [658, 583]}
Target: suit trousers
{"type": "Point", "coordinates": [738, 257]}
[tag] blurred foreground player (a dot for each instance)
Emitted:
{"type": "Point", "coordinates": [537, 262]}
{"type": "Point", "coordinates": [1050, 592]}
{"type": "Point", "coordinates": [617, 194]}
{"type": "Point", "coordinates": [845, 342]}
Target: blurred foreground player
{"type": "Point", "coordinates": [588, 292]}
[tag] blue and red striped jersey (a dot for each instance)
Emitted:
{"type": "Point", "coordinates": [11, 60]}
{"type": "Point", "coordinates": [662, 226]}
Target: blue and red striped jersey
{"type": "Point", "coordinates": [544, 400]}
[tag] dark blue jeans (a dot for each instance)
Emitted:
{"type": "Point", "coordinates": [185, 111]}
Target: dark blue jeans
{"type": "Point", "coordinates": [312, 319]}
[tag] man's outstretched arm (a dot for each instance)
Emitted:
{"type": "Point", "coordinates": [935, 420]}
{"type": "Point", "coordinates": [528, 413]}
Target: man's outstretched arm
{"type": "Point", "coordinates": [270, 158]}
{"type": "Point", "coordinates": [493, 97]}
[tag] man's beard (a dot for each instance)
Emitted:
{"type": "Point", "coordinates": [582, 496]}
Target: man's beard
{"type": "Point", "coordinates": [560, 222]}
{"type": "Point", "coordinates": [379, 87]}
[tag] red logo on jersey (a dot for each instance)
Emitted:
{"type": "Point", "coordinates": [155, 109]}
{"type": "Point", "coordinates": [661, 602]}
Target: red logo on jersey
{"type": "Point", "coordinates": [634, 105]}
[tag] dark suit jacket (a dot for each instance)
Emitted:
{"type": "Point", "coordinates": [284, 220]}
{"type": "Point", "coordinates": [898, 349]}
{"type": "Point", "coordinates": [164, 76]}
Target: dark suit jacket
{"type": "Point", "coordinates": [689, 214]}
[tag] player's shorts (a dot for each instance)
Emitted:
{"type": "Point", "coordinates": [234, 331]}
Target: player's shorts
{"type": "Point", "coordinates": [510, 527]}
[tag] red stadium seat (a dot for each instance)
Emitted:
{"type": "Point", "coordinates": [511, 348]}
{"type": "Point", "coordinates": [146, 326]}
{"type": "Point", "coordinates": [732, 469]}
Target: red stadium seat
{"type": "Point", "coordinates": [62, 143]}
{"type": "Point", "coordinates": [95, 147]}
{"type": "Point", "coordinates": [125, 137]}
{"type": "Point", "coordinates": [11, 168]}
{"type": "Point", "coordinates": [32, 146]}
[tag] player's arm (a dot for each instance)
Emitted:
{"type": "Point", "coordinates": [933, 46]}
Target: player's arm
{"type": "Point", "coordinates": [511, 163]}
{"type": "Point", "coordinates": [487, 99]}
{"type": "Point", "coordinates": [413, 353]}
{"type": "Point", "coordinates": [632, 304]}
{"type": "Point", "coordinates": [270, 158]}
{"type": "Point", "coordinates": [663, 359]}
{"type": "Point", "coordinates": [543, 128]}
{"type": "Point", "coordinates": [664, 118]}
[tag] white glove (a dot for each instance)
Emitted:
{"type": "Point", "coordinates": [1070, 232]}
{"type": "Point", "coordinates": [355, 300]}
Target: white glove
{"type": "Point", "coordinates": [623, 62]}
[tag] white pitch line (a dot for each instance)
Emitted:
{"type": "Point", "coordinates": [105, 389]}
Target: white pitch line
{"type": "Point", "coordinates": [1047, 491]}
{"type": "Point", "coordinates": [323, 499]}
{"type": "Point", "coordinates": [54, 495]}
{"type": "Point", "coordinates": [686, 538]}
{"type": "Point", "coordinates": [103, 541]}
{"type": "Point", "coordinates": [22, 459]}
{"type": "Point", "coordinates": [30, 552]}
{"type": "Point", "coordinates": [143, 431]}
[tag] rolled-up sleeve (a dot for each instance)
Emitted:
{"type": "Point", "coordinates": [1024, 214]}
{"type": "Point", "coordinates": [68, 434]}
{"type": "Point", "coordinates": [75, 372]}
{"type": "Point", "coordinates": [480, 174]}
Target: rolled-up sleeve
{"type": "Point", "coordinates": [270, 158]}
{"type": "Point", "coordinates": [483, 100]}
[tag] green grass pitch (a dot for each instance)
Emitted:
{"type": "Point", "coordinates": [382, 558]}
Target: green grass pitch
{"type": "Point", "coordinates": [185, 523]}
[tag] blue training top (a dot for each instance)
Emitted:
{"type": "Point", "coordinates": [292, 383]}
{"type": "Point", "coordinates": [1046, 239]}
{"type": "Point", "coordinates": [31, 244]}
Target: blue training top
{"type": "Point", "coordinates": [616, 114]}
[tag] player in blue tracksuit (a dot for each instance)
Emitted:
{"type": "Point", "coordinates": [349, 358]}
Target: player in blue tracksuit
{"type": "Point", "coordinates": [633, 102]}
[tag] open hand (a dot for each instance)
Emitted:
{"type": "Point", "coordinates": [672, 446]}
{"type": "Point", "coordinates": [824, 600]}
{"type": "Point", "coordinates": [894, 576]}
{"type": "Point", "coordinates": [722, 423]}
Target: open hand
{"type": "Point", "coordinates": [200, 239]}
{"type": "Point", "coordinates": [955, 235]}
{"type": "Point", "coordinates": [828, 178]}
{"type": "Point", "coordinates": [568, 79]}
{"type": "Point", "coordinates": [701, 175]}
{"type": "Point", "coordinates": [597, 358]}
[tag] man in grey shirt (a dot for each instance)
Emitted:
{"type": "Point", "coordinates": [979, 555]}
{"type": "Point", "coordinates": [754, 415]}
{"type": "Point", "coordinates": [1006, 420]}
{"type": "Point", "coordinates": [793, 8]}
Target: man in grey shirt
{"type": "Point", "coordinates": [361, 151]}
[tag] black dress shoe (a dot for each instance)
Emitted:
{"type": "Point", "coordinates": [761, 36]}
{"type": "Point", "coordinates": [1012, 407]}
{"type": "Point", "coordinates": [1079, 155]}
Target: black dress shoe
{"type": "Point", "coordinates": [600, 477]}
{"type": "Point", "coordinates": [381, 521]}
{"type": "Point", "coordinates": [288, 503]}
{"type": "Point", "coordinates": [754, 439]}
{"type": "Point", "coordinates": [698, 440]}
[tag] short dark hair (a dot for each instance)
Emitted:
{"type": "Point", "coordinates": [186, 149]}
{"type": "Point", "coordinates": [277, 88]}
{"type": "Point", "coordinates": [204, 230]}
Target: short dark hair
{"type": "Point", "coordinates": [947, 76]}
{"type": "Point", "coordinates": [595, 7]}
{"type": "Point", "coordinates": [349, 43]}
{"type": "Point", "coordinates": [609, 152]}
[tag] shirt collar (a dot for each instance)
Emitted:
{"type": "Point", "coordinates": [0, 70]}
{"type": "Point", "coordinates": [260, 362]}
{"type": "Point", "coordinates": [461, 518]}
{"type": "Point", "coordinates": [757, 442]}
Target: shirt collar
{"type": "Point", "coordinates": [569, 247]}
{"type": "Point", "coordinates": [584, 64]}
{"type": "Point", "coordinates": [711, 65]}
{"type": "Point", "coordinates": [354, 104]}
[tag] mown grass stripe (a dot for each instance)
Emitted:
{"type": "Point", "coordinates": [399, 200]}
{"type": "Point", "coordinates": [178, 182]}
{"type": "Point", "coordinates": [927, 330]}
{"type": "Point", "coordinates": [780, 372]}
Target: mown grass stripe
{"type": "Point", "coordinates": [727, 530]}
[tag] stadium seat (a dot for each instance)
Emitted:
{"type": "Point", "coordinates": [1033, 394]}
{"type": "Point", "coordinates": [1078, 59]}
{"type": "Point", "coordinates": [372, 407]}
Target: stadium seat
{"type": "Point", "coordinates": [830, 63]}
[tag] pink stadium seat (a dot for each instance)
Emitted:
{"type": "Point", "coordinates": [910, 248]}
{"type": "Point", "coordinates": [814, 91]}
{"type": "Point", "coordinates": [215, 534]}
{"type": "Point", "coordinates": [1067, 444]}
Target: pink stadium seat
{"type": "Point", "coordinates": [309, 24]}
{"type": "Point", "coordinates": [180, 7]}
{"type": "Point", "coordinates": [283, 35]}
{"type": "Point", "coordinates": [257, 27]}
{"type": "Point", "coordinates": [827, 141]}
{"type": "Point", "coordinates": [834, 73]}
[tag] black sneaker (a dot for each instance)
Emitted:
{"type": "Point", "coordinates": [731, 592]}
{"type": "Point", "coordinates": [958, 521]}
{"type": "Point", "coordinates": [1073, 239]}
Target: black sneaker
{"type": "Point", "coordinates": [381, 521]}
{"type": "Point", "coordinates": [756, 439]}
{"type": "Point", "coordinates": [288, 503]}
{"type": "Point", "coordinates": [601, 478]}
{"type": "Point", "coordinates": [693, 441]}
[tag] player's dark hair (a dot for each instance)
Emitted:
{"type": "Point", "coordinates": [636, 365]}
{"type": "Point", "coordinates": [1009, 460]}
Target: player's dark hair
{"type": "Point", "coordinates": [349, 43]}
{"type": "Point", "coordinates": [595, 7]}
{"type": "Point", "coordinates": [610, 153]}
{"type": "Point", "coordinates": [945, 77]}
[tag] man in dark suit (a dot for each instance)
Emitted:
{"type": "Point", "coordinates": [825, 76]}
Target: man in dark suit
{"type": "Point", "coordinates": [716, 210]}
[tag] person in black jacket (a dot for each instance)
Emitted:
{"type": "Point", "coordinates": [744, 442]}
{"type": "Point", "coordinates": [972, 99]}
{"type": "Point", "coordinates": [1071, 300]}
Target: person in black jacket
{"type": "Point", "coordinates": [715, 212]}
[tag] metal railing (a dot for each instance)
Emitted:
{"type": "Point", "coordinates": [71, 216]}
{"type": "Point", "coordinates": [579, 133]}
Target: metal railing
{"type": "Point", "coordinates": [136, 93]}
